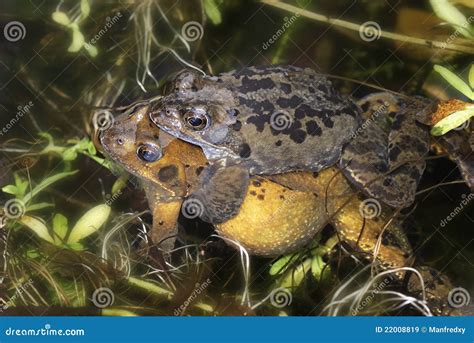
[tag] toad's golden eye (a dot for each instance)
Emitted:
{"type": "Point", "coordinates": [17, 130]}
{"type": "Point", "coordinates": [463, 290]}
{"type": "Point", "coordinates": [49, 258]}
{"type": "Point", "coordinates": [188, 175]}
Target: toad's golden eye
{"type": "Point", "coordinates": [196, 120]}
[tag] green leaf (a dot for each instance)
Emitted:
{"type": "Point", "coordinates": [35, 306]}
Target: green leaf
{"type": "Point", "coordinates": [294, 276]}
{"type": "Point", "coordinates": [85, 9]}
{"type": "Point", "coordinates": [76, 246]}
{"type": "Point", "coordinates": [77, 38]}
{"type": "Point", "coordinates": [33, 253]}
{"type": "Point", "coordinates": [455, 81]}
{"type": "Point", "coordinates": [10, 189]}
{"type": "Point", "coordinates": [89, 223]}
{"type": "Point", "coordinates": [45, 183]}
{"type": "Point", "coordinates": [282, 264]}
{"type": "Point", "coordinates": [212, 11]}
{"type": "Point", "coordinates": [61, 18]}
{"type": "Point", "coordinates": [47, 136]}
{"type": "Point", "coordinates": [20, 185]}
{"type": "Point", "coordinates": [452, 121]}
{"type": "Point", "coordinates": [117, 312]}
{"type": "Point", "coordinates": [119, 184]}
{"type": "Point", "coordinates": [150, 287]}
{"type": "Point", "coordinates": [317, 266]}
{"type": "Point", "coordinates": [471, 76]}
{"type": "Point", "coordinates": [448, 12]}
{"type": "Point", "coordinates": [38, 227]}
{"type": "Point", "coordinates": [60, 227]}
{"type": "Point", "coordinates": [38, 206]}
{"type": "Point", "coordinates": [91, 148]}
{"type": "Point", "coordinates": [69, 154]}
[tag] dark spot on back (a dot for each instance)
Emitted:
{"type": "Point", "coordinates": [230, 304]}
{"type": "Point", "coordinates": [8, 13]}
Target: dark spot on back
{"type": "Point", "coordinates": [313, 129]}
{"type": "Point", "coordinates": [286, 88]}
{"type": "Point", "coordinates": [298, 136]}
{"type": "Point", "coordinates": [261, 197]}
{"type": "Point", "coordinates": [245, 151]}
{"type": "Point", "coordinates": [394, 152]}
{"type": "Point", "coordinates": [237, 125]}
{"type": "Point", "coordinates": [199, 170]}
{"type": "Point", "coordinates": [293, 102]}
{"type": "Point", "coordinates": [251, 85]}
{"type": "Point", "coordinates": [167, 173]}
{"type": "Point", "coordinates": [253, 193]}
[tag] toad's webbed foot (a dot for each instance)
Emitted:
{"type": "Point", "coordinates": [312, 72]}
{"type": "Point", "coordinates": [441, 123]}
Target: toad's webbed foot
{"type": "Point", "coordinates": [222, 191]}
{"type": "Point", "coordinates": [386, 157]}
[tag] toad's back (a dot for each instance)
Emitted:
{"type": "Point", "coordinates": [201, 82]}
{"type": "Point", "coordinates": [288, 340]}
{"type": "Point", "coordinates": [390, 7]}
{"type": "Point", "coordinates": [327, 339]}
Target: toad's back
{"type": "Point", "coordinates": [272, 119]}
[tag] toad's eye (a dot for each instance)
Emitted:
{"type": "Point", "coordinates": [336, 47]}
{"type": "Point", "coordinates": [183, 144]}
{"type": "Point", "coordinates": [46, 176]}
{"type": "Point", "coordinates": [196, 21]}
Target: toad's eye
{"type": "Point", "coordinates": [149, 152]}
{"type": "Point", "coordinates": [197, 120]}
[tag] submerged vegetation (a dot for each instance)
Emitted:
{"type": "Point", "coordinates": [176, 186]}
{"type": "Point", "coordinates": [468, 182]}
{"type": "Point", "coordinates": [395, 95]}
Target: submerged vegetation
{"type": "Point", "coordinates": [74, 227]}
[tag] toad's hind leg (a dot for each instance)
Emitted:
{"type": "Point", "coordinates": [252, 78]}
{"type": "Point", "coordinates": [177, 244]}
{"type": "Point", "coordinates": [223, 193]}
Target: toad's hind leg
{"type": "Point", "coordinates": [386, 157]}
{"type": "Point", "coordinates": [221, 193]}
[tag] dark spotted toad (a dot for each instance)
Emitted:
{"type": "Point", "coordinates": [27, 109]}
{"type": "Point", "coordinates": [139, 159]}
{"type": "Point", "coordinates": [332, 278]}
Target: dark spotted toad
{"type": "Point", "coordinates": [276, 119]}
